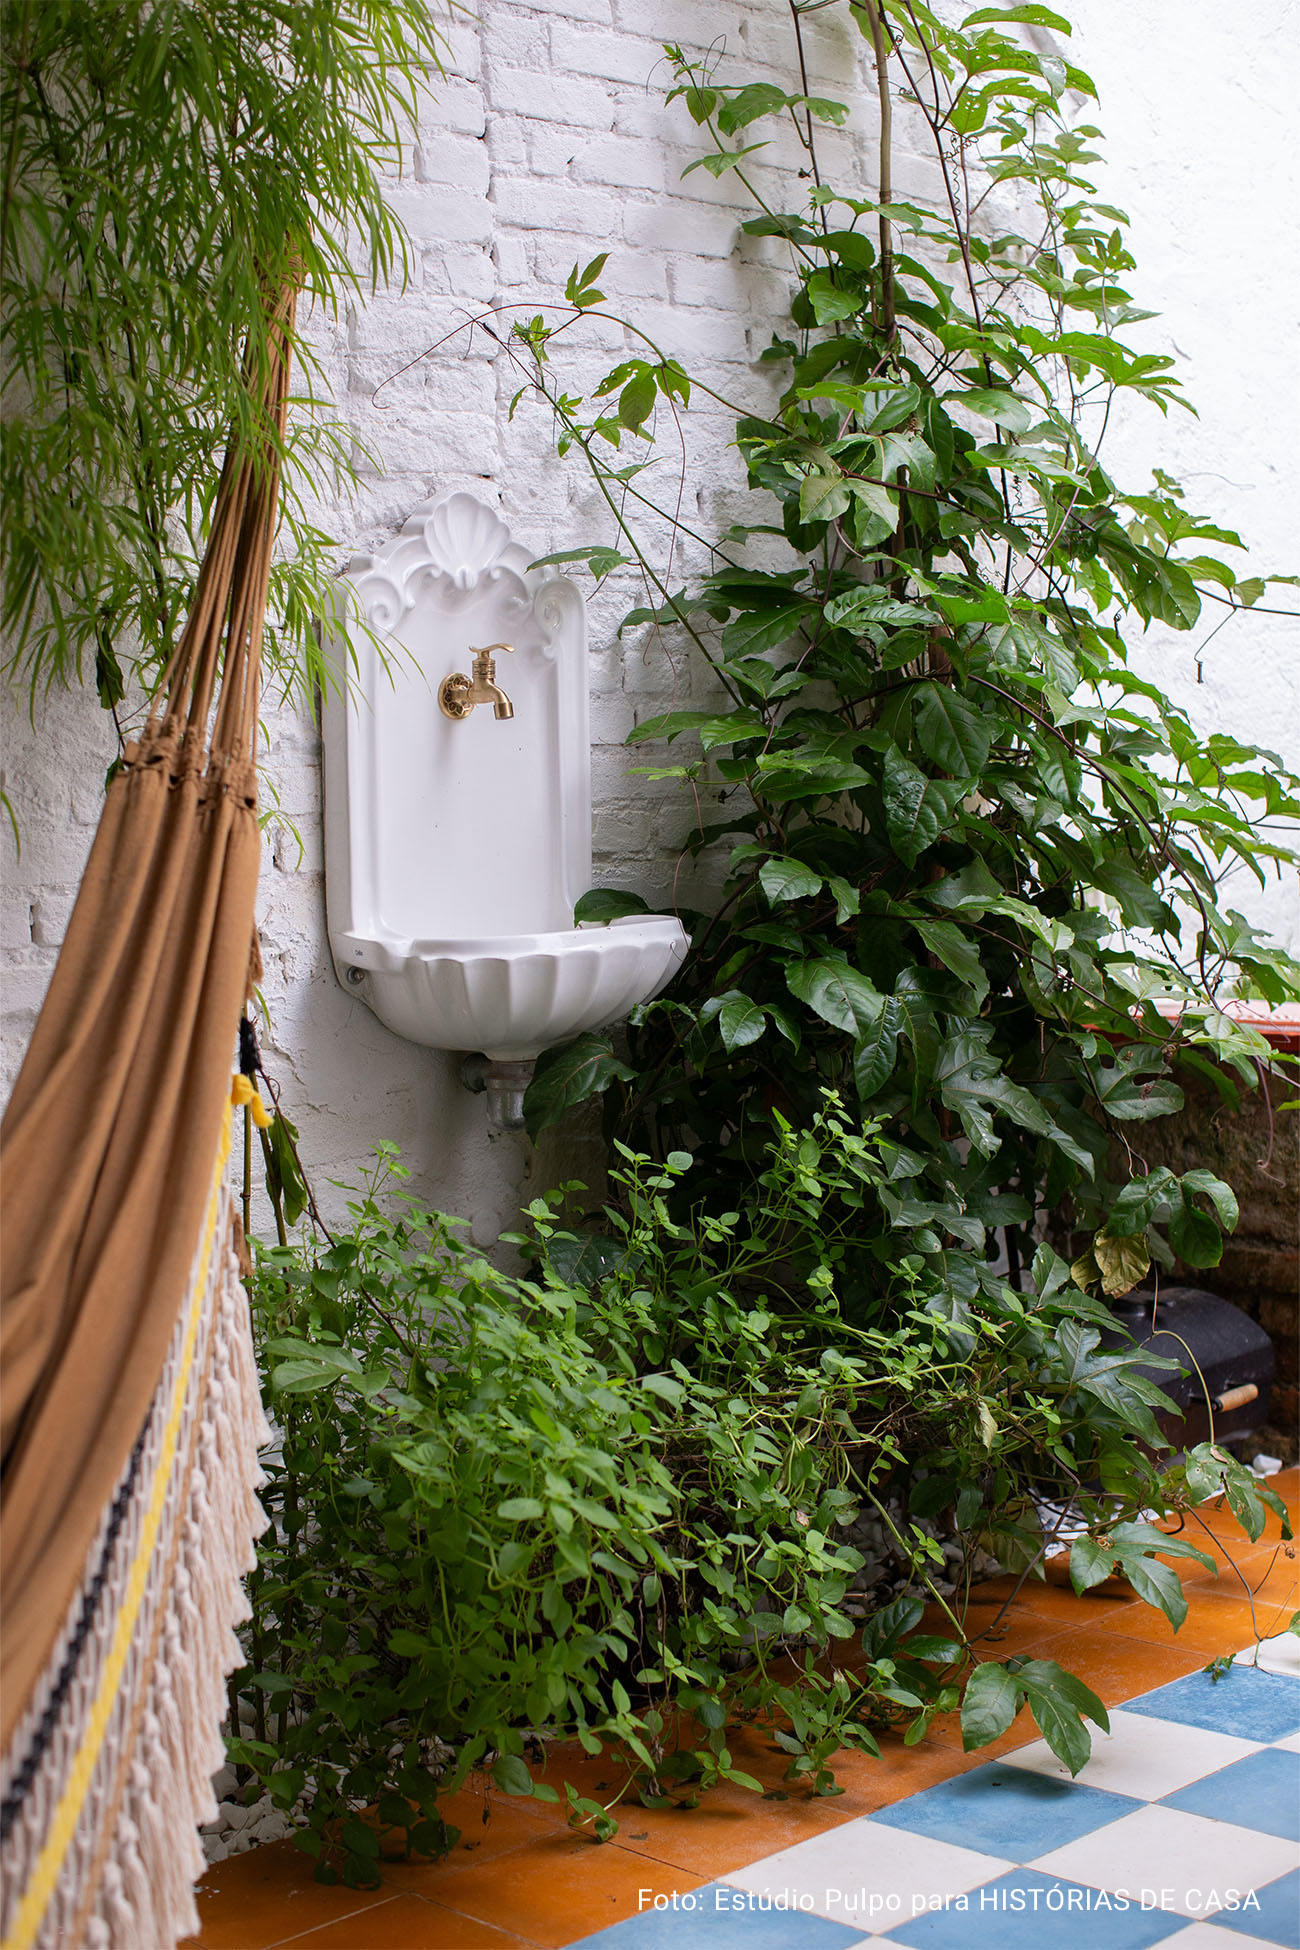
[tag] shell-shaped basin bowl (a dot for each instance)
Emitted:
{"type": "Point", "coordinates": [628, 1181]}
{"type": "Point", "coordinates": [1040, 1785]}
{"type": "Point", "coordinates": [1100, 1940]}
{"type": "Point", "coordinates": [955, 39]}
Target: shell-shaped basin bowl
{"type": "Point", "coordinates": [512, 996]}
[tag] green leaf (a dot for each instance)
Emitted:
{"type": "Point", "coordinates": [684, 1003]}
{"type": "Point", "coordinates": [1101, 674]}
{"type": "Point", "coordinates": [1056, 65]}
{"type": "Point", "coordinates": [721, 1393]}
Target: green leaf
{"type": "Point", "coordinates": [1032, 16]}
{"type": "Point", "coordinates": [991, 403]}
{"type": "Point", "coordinates": [109, 680]}
{"type": "Point", "coordinates": [664, 1386]}
{"type": "Point", "coordinates": [832, 301]}
{"type": "Point", "coordinates": [740, 1022]}
{"type": "Point", "coordinates": [511, 1774]}
{"type": "Point", "coordinates": [1042, 1672]}
{"type": "Point", "coordinates": [599, 558]}
{"type": "Point", "coordinates": [838, 993]}
{"type": "Point", "coordinates": [1221, 1196]}
{"type": "Point", "coordinates": [755, 631]}
{"type": "Point", "coordinates": [930, 1646]}
{"type": "Point", "coordinates": [870, 606]}
{"type": "Point", "coordinates": [823, 496]}
{"type": "Point", "coordinates": [848, 899]}
{"type": "Point", "coordinates": [720, 161]}
{"type": "Point", "coordinates": [876, 1051]}
{"type": "Point", "coordinates": [737, 728]}
{"type": "Point", "coordinates": [989, 1705]}
{"type": "Point", "coordinates": [1122, 1094]}
{"type": "Point", "coordinates": [568, 1075]}
{"type": "Point", "coordinates": [877, 512]}
{"type": "Point", "coordinates": [607, 904]}
{"type": "Point", "coordinates": [971, 890]}
{"type": "Point", "coordinates": [918, 810]}
{"type": "Point", "coordinates": [521, 1509]}
{"type": "Point", "coordinates": [1159, 1585]}
{"type": "Point", "coordinates": [580, 287]}
{"type": "Point", "coordinates": [1091, 1563]}
{"type": "Point", "coordinates": [957, 952]}
{"type": "Point", "coordinates": [636, 401]}
{"type": "Point", "coordinates": [360, 1839]}
{"type": "Point", "coordinates": [747, 104]}
{"type": "Point", "coordinates": [990, 607]}
{"type": "Point", "coordinates": [1194, 1235]}
{"type": "Point", "coordinates": [316, 1368]}
{"type": "Point", "coordinates": [952, 731]}
{"type": "Point", "coordinates": [892, 1622]}
{"type": "Point", "coordinates": [971, 1081]}
{"type": "Point", "coordinates": [1139, 1200]}
{"type": "Point", "coordinates": [788, 880]}
{"type": "Point", "coordinates": [284, 1179]}
{"type": "Point", "coordinates": [1056, 1711]}
{"type": "Point", "coordinates": [670, 725]}
{"type": "Point", "coordinates": [407, 1645]}
{"type": "Point", "coordinates": [896, 408]}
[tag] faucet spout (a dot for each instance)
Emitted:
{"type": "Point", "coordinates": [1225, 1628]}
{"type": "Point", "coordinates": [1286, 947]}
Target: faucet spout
{"type": "Point", "coordinates": [458, 694]}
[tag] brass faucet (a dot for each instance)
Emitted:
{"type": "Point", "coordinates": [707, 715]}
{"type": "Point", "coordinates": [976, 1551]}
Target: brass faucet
{"type": "Point", "coordinates": [458, 694]}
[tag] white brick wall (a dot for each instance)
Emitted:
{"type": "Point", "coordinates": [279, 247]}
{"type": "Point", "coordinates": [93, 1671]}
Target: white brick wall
{"type": "Point", "coordinates": [548, 141]}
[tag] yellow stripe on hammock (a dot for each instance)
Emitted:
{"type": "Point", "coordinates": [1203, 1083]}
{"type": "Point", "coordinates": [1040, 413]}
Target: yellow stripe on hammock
{"type": "Point", "coordinates": [41, 1883]}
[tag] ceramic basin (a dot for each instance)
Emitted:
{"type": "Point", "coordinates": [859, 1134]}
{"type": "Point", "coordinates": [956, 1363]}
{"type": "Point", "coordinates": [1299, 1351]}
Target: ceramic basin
{"type": "Point", "coordinates": [512, 996]}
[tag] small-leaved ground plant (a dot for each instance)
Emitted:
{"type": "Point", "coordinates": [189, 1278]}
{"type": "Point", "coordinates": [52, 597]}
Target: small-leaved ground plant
{"type": "Point", "coordinates": [609, 1501]}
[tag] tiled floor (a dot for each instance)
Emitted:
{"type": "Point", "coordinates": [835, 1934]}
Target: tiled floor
{"type": "Point", "coordinates": [1181, 1831]}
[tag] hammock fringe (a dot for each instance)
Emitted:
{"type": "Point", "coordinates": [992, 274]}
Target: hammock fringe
{"type": "Point", "coordinates": [110, 1773]}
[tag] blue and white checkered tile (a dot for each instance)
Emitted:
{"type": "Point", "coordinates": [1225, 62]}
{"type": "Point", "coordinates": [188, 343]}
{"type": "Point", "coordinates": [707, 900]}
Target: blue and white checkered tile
{"type": "Point", "coordinates": [1181, 1831]}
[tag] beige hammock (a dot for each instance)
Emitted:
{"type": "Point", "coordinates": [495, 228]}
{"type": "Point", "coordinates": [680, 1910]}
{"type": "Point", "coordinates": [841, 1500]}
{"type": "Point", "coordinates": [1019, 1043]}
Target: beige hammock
{"type": "Point", "coordinates": [130, 1410]}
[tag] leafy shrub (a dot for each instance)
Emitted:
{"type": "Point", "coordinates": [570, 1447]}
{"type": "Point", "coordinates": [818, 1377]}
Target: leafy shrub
{"type": "Point", "coordinates": [975, 857]}
{"type": "Point", "coordinates": [608, 1501]}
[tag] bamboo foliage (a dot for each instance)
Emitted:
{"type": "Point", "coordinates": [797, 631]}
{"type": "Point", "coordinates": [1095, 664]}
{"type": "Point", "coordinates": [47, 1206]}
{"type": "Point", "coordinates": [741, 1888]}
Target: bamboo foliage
{"type": "Point", "coordinates": [163, 164]}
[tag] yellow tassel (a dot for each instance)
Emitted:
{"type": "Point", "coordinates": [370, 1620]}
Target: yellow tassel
{"type": "Point", "coordinates": [241, 1090]}
{"type": "Point", "coordinates": [260, 1114]}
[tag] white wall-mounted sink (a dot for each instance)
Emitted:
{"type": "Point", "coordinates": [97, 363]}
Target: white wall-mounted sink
{"type": "Point", "coordinates": [512, 996]}
{"type": "Point", "coordinates": [455, 847]}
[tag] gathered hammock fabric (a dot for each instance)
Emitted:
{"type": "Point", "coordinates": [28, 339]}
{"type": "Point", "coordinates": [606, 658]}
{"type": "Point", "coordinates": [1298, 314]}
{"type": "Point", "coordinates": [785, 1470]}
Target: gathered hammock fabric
{"type": "Point", "coordinates": [130, 1414]}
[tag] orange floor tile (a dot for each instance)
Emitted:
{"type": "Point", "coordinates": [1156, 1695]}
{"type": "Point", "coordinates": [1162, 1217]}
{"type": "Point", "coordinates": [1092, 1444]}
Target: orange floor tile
{"type": "Point", "coordinates": [521, 1881]}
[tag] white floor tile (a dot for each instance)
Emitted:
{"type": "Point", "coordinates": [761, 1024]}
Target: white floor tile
{"type": "Point", "coordinates": [1197, 1861]}
{"type": "Point", "coordinates": [867, 1874]}
{"type": "Point", "coordinates": [1145, 1758]}
{"type": "Point", "coordinates": [1198, 1936]}
{"type": "Point", "coordinates": [1291, 1744]}
{"type": "Point", "coordinates": [1280, 1654]}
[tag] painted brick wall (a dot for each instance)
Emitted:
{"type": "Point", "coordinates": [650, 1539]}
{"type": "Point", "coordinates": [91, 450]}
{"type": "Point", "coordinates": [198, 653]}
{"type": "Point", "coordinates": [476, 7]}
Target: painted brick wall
{"type": "Point", "coordinates": [548, 141]}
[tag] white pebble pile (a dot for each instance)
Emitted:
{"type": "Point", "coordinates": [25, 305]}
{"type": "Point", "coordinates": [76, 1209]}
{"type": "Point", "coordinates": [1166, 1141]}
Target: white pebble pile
{"type": "Point", "coordinates": [237, 1827]}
